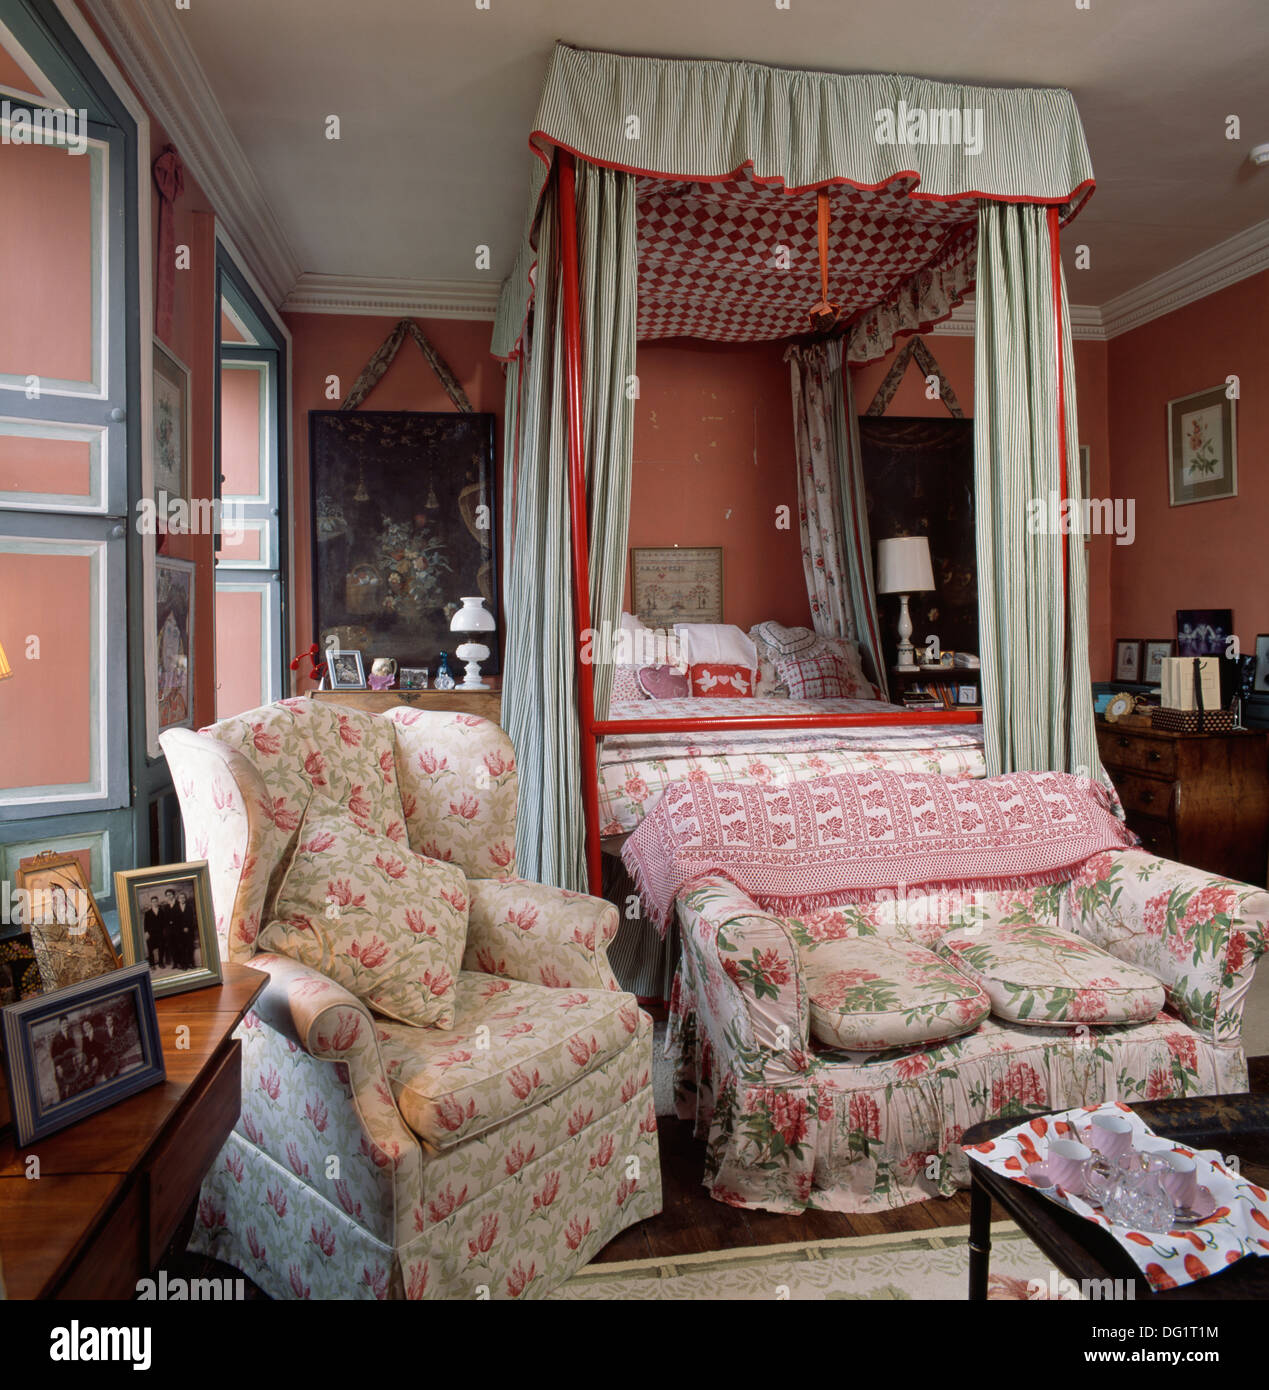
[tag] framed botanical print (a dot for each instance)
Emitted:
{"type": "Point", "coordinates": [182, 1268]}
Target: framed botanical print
{"type": "Point", "coordinates": [677, 584]}
{"type": "Point", "coordinates": [1202, 447]}
{"type": "Point", "coordinates": [174, 642]}
{"type": "Point", "coordinates": [171, 444]}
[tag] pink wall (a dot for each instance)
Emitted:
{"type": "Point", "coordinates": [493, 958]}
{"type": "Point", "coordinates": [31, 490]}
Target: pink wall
{"type": "Point", "coordinates": [1209, 554]}
{"type": "Point", "coordinates": [955, 355]}
{"type": "Point", "coordinates": [713, 459]}
{"type": "Point", "coordinates": [340, 345]}
{"type": "Point", "coordinates": [45, 714]}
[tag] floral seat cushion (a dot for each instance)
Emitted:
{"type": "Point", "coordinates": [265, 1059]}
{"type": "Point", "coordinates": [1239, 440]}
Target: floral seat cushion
{"type": "Point", "coordinates": [1044, 976]}
{"type": "Point", "coordinates": [869, 992]}
{"type": "Point", "coordinates": [512, 1046]}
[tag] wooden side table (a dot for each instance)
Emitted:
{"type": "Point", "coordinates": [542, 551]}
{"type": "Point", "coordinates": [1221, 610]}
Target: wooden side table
{"type": "Point", "coordinates": [1200, 798]}
{"type": "Point", "coordinates": [112, 1190]}
{"type": "Point", "coordinates": [486, 703]}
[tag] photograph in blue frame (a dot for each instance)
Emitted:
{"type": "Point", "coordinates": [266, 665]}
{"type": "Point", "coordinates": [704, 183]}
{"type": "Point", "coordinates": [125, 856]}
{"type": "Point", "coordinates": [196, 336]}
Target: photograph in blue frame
{"type": "Point", "coordinates": [79, 1050]}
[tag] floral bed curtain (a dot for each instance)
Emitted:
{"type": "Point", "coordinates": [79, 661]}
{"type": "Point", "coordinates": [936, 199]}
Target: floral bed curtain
{"type": "Point", "coordinates": [1037, 707]}
{"type": "Point", "coordinates": [836, 550]}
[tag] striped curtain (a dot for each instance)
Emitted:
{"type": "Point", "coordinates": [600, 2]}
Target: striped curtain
{"type": "Point", "coordinates": [1037, 700]}
{"type": "Point", "coordinates": [609, 272]}
{"type": "Point", "coordinates": [539, 703]}
{"type": "Point", "coordinates": [836, 550]}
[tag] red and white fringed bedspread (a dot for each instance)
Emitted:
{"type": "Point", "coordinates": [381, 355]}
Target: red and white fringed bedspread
{"type": "Point", "coordinates": [841, 838]}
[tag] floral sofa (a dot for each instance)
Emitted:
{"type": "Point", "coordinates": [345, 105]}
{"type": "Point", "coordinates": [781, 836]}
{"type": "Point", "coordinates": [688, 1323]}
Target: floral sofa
{"type": "Point", "coordinates": [373, 1158]}
{"type": "Point", "coordinates": [791, 1123]}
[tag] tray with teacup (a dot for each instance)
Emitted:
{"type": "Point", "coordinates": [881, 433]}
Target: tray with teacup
{"type": "Point", "coordinates": [1179, 1213]}
{"type": "Point", "coordinates": [1119, 1172]}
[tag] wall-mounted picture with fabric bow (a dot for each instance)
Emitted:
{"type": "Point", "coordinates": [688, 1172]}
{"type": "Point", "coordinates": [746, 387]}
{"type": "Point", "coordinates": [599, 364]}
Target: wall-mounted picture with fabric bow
{"type": "Point", "coordinates": [403, 526]}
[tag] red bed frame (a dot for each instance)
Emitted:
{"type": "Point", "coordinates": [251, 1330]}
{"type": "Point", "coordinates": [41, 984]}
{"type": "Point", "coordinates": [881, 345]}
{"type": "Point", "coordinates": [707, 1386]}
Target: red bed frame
{"type": "Point", "coordinates": [593, 729]}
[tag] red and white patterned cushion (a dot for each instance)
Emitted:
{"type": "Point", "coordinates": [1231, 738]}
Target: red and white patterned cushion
{"type": "Point", "coordinates": [664, 683]}
{"type": "Point", "coordinates": [821, 677]}
{"type": "Point", "coordinates": [721, 679]}
{"type": "Point", "coordinates": [625, 684]}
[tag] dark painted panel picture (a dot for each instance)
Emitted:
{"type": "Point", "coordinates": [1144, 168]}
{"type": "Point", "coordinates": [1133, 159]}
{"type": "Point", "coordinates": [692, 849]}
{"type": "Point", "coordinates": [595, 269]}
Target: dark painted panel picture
{"type": "Point", "coordinates": [919, 481]}
{"type": "Point", "coordinates": [403, 528]}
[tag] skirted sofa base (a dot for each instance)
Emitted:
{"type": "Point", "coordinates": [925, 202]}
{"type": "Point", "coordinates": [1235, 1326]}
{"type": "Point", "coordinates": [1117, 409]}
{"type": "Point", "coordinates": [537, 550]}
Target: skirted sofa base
{"type": "Point", "coordinates": [791, 1125]}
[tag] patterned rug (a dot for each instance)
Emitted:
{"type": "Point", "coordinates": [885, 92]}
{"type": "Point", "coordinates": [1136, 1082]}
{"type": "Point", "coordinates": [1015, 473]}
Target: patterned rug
{"type": "Point", "coordinates": [914, 1265]}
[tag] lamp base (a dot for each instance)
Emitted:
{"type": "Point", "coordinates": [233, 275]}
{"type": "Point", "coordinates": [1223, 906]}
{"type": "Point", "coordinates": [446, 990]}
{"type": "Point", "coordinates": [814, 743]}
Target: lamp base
{"type": "Point", "coordinates": [473, 653]}
{"type": "Point", "coordinates": [906, 649]}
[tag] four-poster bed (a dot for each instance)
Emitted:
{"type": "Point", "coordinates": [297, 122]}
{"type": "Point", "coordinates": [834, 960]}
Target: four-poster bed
{"type": "Point", "coordinates": [679, 198]}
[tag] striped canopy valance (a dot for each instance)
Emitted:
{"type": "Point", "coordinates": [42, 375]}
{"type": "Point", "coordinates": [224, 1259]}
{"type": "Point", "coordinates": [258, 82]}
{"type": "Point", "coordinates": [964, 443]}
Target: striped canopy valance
{"type": "Point", "coordinates": [729, 157]}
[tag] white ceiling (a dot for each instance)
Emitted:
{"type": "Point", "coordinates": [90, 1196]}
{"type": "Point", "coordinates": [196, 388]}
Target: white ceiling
{"type": "Point", "coordinates": [436, 97]}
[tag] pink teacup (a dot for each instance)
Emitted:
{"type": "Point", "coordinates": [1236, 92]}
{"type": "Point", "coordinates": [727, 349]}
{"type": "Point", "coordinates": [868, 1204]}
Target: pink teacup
{"type": "Point", "coordinates": [1110, 1135]}
{"type": "Point", "coordinates": [1067, 1162]}
{"type": "Point", "coordinates": [1179, 1174]}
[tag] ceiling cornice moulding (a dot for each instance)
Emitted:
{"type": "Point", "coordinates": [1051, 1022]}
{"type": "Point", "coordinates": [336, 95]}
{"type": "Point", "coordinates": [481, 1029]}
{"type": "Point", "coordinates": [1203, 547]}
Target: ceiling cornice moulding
{"type": "Point", "coordinates": [1242, 255]}
{"type": "Point", "coordinates": [1086, 322]}
{"type": "Point", "coordinates": [361, 294]}
{"type": "Point", "coordinates": [156, 55]}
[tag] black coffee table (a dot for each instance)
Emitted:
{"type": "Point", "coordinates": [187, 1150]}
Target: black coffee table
{"type": "Point", "coordinates": [1237, 1124]}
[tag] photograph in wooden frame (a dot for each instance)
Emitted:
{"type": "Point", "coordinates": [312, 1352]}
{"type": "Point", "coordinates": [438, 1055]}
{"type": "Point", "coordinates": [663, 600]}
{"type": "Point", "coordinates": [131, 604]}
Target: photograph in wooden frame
{"type": "Point", "coordinates": [167, 921]}
{"type": "Point", "coordinates": [67, 931]}
{"type": "Point", "coordinates": [73, 1052]}
{"type": "Point", "coordinates": [676, 584]}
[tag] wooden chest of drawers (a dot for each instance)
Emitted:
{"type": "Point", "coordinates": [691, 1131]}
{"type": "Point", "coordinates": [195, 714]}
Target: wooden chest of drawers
{"type": "Point", "coordinates": [1202, 799]}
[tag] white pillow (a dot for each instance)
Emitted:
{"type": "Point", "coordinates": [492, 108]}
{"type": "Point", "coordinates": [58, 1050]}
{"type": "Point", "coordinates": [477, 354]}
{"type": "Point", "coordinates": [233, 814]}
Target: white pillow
{"type": "Point", "coordinates": [721, 642]}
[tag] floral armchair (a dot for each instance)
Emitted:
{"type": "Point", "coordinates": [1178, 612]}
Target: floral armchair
{"type": "Point", "coordinates": [377, 1159]}
{"type": "Point", "coordinates": [791, 1124]}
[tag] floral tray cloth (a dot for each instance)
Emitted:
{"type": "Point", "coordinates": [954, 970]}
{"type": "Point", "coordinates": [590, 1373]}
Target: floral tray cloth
{"type": "Point", "coordinates": [1239, 1226]}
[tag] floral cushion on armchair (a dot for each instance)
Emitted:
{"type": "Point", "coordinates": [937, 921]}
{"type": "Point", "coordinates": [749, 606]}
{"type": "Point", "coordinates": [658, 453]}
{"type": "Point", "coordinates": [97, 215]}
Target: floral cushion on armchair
{"type": "Point", "coordinates": [384, 922]}
{"type": "Point", "coordinates": [1044, 976]}
{"type": "Point", "coordinates": [871, 992]}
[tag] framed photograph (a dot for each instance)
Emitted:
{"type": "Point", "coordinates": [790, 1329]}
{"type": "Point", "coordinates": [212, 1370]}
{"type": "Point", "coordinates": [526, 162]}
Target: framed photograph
{"type": "Point", "coordinates": [414, 678]}
{"type": "Point", "coordinates": [171, 416]}
{"type": "Point", "coordinates": [345, 670]}
{"type": "Point", "coordinates": [1203, 631]}
{"type": "Point", "coordinates": [1156, 649]}
{"type": "Point", "coordinates": [677, 584]}
{"type": "Point", "coordinates": [78, 1050]}
{"type": "Point", "coordinates": [174, 642]}
{"type": "Point", "coordinates": [168, 923]}
{"type": "Point", "coordinates": [966, 694]}
{"type": "Point", "coordinates": [1128, 659]}
{"type": "Point", "coordinates": [404, 522]}
{"type": "Point", "coordinates": [1262, 664]}
{"type": "Point", "coordinates": [1202, 448]}
{"type": "Point", "coordinates": [67, 932]}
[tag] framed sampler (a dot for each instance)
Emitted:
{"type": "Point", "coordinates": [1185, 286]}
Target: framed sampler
{"type": "Point", "coordinates": [676, 584]}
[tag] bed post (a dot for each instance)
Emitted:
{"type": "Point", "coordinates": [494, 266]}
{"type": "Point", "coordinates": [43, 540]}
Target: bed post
{"type": "Point", "coordinates": [1055, 256]}
{"type": "Point", "coordinates": [578, 514]}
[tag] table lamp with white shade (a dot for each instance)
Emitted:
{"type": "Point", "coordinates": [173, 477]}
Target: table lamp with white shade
{"type": "Point", "coordinates": [903, 568]}
{"type": "Point", "coordinates": [473, 616]}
